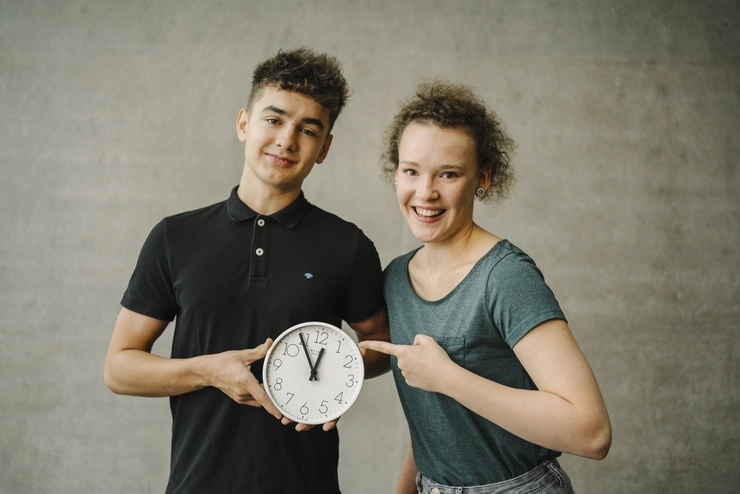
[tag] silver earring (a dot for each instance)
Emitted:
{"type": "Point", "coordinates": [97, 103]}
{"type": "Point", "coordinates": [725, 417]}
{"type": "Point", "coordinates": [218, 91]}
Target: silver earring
{"type": "Point", "coordinates": [480, 193]}
{"type": "Point", "coordinates": [395, 185]}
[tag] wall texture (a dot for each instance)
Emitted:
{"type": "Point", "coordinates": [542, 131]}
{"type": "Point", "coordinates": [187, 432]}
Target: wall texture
{"type": "Point", "coordinates": [626, 114]}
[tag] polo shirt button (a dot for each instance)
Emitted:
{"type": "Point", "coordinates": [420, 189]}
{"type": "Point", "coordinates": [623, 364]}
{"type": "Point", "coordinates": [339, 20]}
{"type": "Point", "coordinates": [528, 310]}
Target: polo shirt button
{"type": "Point", "coordinates": [435, 491]}
{"type": "Point", "coordinates": [261, 222]}
{"type": "Point", "coordinates": [259, 252]}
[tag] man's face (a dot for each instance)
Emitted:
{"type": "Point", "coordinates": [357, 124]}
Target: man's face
{"type": "Point", "coordinates": [284, 134]}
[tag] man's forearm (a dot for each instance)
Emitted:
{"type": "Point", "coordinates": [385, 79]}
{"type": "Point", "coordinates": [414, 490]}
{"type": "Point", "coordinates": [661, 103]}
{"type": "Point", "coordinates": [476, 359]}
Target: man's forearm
{"type": "Point", "coordinates": [140, 373]}
{"type": "Point", "coordinates": [376, 364]}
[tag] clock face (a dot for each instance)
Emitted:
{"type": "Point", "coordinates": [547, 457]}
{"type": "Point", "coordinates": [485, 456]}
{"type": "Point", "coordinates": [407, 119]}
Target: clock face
{"type": "Point", "coordinates": [313, 372]}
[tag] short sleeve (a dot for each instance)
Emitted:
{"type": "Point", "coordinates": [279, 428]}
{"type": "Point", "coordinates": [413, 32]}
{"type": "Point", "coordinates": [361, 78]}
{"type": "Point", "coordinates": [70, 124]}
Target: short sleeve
{"type": "Point", "coordinates": [364, 293]}
{"type": "Point", "coordinates": [150, 290]}
{"type": "Point", "coordinates": [519, 297]}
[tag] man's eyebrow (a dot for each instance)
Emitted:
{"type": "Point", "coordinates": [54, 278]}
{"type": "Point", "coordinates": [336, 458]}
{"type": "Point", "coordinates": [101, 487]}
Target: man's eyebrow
{"type": "Point", "coordinates": [315, 121]}
{"type": "Point", "coordinates": [274, 109]}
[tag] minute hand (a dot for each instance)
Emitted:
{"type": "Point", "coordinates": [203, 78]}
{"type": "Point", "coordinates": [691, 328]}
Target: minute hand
{"type": "Point", "coordinates": [311, 376]}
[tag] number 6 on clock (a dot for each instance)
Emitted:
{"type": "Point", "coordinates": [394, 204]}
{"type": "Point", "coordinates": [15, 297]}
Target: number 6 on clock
{"type": "Point", "coordinates": [313, 372]}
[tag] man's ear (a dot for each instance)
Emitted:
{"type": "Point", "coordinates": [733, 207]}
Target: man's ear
{"type": "Point", "coordinates": [325, 149]}
{"type": "Point", "coordinates": [241, 125]}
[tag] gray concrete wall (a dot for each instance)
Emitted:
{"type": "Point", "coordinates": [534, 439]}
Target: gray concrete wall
{"type": "Point", "coordinates": [626, 114]}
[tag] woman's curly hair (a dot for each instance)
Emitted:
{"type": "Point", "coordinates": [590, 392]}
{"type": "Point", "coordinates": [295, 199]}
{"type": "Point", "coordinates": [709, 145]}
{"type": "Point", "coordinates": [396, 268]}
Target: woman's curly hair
{"type": "Point", "coordinates": [456, 106]}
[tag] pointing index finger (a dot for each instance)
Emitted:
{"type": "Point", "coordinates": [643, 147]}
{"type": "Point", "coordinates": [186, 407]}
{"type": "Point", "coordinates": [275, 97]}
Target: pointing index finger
{"type": "Point", "coordinates": [381, 346]}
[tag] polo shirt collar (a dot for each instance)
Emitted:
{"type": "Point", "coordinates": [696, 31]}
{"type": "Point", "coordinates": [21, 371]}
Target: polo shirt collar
{"type": "Point", "coordinates": [289, 216]}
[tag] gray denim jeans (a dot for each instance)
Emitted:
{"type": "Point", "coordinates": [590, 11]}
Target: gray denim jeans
{"type": "Point", "coordinates": [547, 478]}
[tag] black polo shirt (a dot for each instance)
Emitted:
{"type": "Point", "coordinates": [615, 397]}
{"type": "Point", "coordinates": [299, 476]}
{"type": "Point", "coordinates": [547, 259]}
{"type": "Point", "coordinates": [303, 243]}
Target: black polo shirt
{"type": "Point", "coordinates": [233, 278]}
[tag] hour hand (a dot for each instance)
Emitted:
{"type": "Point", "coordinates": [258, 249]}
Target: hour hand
{"type": "Point", "coordinates": [316, 367]}
{"type": "Point", "coordinates": [312, 376]}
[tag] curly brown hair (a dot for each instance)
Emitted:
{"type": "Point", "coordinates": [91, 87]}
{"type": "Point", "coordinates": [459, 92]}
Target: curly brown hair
{"type": "Point", "coordinates": [304, 71]}
{"type": "Point", "coordinates": [454, 105]}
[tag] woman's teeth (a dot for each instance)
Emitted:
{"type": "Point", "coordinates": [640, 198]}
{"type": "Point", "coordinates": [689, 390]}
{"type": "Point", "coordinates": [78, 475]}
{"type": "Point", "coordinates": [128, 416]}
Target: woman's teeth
{"type": "Point", "coordinates": [428, 212]}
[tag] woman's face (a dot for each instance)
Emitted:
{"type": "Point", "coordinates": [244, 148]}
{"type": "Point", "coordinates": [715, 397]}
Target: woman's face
{"type": "Point", "coordinates": [437, 176]}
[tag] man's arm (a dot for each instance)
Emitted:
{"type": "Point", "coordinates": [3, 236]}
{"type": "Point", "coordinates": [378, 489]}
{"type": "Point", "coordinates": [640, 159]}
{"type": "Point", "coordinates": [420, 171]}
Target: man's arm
{"type": "Point", "coordinates": [131, 368]}
{"type": "Point", "coordinates": [374, 328]}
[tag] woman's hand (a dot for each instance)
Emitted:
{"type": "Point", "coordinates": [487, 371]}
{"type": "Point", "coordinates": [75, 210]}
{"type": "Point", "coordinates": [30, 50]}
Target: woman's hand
{"type": "Point", "coordinates": [423, 364]}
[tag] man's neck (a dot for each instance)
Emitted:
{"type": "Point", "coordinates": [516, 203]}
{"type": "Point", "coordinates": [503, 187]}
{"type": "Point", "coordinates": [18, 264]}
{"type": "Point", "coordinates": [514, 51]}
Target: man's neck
{"type": "Point", "coordinates": [264, 199]}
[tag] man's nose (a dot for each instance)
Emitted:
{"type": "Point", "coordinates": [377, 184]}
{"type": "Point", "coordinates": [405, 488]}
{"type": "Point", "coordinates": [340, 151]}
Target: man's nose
{"type": "Point", "coordinates": [286, 138]}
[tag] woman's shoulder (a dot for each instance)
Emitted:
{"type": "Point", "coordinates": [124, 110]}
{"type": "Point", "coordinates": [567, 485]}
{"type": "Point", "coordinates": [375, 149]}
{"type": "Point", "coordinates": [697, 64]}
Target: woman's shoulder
{"type": "Point", "coordinates": [401, 262]}
{"type": "Point", "coordinates": [501, 250]}
{"type": "Point", "coordinates": [507, 260]}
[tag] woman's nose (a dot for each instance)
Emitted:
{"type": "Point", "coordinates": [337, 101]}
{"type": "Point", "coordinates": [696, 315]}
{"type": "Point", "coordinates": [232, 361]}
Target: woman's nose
{"type": "Point", "coordinates": [427, 190]}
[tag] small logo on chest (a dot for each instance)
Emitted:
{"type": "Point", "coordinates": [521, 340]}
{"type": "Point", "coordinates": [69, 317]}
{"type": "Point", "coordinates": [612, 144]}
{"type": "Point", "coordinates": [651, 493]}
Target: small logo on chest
{"type": "Point", "coordinates": [308, 276]}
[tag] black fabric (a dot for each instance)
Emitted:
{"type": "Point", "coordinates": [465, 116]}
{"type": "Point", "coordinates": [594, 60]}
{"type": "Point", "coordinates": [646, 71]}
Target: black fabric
{"type": "Point", "coordinates": [202, 267]}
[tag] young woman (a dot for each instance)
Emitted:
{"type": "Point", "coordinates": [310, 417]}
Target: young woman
{"type": "Point", "coordinates": [492, 382]}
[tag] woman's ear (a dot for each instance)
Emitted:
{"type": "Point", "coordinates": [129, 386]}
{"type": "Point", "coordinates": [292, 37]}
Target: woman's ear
{"type": "Point", "coordinates": [484, 176]}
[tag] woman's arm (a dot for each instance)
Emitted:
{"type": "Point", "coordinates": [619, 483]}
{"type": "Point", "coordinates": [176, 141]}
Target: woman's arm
{"type": "Point", "coordinates": [567, 413]}
{"type": "Point", "coordinates": [407, 476]}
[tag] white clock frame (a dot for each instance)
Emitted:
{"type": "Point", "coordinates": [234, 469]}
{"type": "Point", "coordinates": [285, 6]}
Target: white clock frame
{"type": "Point", "coordinates": [339, 375]}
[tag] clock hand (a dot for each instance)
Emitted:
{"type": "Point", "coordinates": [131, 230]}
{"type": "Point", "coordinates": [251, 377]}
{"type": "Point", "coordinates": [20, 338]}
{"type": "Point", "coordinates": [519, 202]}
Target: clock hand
{"type": "Point", "coordinates": [312, 376]}
{"type": "Point", "coordinates": [315, 367]}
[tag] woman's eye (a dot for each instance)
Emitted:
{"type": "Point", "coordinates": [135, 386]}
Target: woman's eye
{"type": "Point", "coordinates": [449, 175]}
{"type": "Point", "coordinates": [410, 173]}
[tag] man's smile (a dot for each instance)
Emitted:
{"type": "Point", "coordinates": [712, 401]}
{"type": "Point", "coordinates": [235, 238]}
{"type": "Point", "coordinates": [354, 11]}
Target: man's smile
{"type": "Point", "coordinates": [280, 160]}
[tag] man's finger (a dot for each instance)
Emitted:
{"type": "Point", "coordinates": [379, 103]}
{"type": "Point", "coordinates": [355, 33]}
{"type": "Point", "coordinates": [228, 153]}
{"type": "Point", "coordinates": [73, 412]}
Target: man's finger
{"type": "Point", "coordinates": [300, 427]}
{"type": "Point", "coordinates": [258, 393]}
{"type": "Point", "coordinates": [254, 354]}
{"type": "Point", "coordinates": [382, 347]}
{"type": "Point", "coordinates": [330, 425]}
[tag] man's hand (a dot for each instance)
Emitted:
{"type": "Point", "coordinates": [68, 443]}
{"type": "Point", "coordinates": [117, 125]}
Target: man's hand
{"type": "Point", "coordinates": [307, 427]}
{"type": "Point", "coordinates": [231, 373]}
{"type": "Point", "coordinates": [422, 364]}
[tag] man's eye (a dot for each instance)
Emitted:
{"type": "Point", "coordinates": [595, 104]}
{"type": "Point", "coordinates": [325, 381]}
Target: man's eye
{"type": "Point", "coordinates": [309, 132]}
{"type": "Point", "coordinates": [273, 121]}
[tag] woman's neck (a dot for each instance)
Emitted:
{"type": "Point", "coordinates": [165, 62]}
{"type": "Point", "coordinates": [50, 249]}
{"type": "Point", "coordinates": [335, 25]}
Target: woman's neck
{"type": "Point", "coordinates": [437, 268]}
{"type": "Point", "coordinates": [458, 250]}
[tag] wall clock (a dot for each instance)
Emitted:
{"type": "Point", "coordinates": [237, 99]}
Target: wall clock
{"type": "Point", "coordinates": [313, 372]}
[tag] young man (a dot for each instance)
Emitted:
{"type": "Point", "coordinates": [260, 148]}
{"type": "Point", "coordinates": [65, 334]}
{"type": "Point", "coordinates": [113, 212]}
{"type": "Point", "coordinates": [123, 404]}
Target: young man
{"type": "Point", "coordinates": [238, 273]}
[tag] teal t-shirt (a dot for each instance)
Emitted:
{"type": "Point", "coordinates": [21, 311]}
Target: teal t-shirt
{"type": "Point", "coordinates": [502, 298]}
